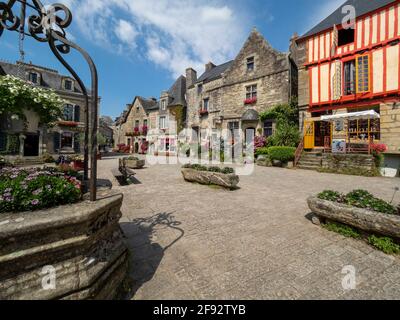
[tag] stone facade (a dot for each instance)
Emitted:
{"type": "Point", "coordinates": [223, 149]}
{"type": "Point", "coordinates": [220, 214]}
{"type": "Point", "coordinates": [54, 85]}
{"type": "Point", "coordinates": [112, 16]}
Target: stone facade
{"type": "Point", "coordinates": [224, 88]}
{"type": "Point", "coordinates": [79, 246]}
{"type": "Point", "coordinates": [66, 137]}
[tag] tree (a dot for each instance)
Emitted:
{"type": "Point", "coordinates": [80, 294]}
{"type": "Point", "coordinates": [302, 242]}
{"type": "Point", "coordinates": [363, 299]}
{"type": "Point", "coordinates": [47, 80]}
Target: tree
{"type": "Point", "coordinates": [286, 117]}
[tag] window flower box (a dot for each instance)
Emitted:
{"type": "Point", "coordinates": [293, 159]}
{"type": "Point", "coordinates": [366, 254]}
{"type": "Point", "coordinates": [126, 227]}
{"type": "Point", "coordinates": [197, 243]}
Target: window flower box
{"type": "Point", "coordinates": [68, 123]}
{"type": "Point", "coordinates": [203, 113]}
{"type": "Point", "coordinates": [250, 101]}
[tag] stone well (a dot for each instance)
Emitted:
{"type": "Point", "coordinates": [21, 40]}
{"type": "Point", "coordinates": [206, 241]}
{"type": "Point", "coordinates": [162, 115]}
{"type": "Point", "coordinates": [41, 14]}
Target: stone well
{"type": "Point", "coordinates": [68, 252]}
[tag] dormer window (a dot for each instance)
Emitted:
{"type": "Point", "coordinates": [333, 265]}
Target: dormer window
{"type": "Point", "coordinates": [33, 77]}
{"type": "Point", "coordinates": [346, 36]}
{"type": "Point", "coordinates": [199, 89]}
{"type": "Point", "coordinates": [68, 85]}
{"type": "Point", "coordinates": [250, 64]}
{"type": "Point", "coordinates": [163, 104]}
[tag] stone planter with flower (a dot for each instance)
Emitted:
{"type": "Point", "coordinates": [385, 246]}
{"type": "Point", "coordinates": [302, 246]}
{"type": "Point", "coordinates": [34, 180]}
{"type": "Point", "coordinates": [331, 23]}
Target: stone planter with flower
{"type": "Point", "coordinates": [47, 234]}
{"type": "Point", "coordinates": [134, 162]}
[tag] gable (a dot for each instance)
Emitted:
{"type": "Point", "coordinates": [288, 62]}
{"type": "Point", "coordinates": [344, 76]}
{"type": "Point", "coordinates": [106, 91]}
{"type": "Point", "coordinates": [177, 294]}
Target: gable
{"type": "Point", "coordinates": [267, 60]}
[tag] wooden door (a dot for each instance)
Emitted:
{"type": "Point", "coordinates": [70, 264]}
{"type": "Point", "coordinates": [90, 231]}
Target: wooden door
{"type": "Point", "coordinates": [309, 134]}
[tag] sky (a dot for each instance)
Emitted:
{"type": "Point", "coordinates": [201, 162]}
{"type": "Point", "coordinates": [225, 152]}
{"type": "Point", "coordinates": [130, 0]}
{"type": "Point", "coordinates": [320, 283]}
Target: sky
{"type": "Point", "coordinates": [141, 46]}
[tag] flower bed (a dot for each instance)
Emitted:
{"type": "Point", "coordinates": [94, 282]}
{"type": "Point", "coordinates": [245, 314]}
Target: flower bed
{"type": "Point", "coordinates": [356, 214]}
{"type": "Point", "coordinates": [34, 189]}
{"type": "Point", "coordinates": [224, 177]}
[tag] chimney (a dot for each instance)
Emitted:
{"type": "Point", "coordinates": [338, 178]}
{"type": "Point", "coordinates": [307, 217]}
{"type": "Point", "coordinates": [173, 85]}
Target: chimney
{"type": "Point", "coordinates": [191, 77]}
{"type": "Point", "coordinates": [210, 66]}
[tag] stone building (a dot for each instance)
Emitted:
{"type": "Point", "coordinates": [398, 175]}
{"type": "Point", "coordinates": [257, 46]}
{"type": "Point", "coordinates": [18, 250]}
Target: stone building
{"type": "Point", "coordinates": [349, 80]}
{"type": "Point", "coordinates": [66, 137]}
{"type": "Point", "coordinates": [162, 121]}
{"type": "Point", "coordinates": [230, 96]}
{"type": "Point", "coordinates": [132, 127]}
{"type": "Point", "coordinates": [170, 119]}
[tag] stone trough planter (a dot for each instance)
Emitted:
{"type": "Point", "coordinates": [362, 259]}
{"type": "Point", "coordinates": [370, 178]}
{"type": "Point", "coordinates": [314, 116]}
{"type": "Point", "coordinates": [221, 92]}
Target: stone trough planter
{"type": "Point", "coordinates": [366, 220]}
{"type": "Point", "coordinates": [229, 181]}
{"type": "Point", "coordinates": [134, 164]}
{"type": "Point", "coordinates": [82, 243]}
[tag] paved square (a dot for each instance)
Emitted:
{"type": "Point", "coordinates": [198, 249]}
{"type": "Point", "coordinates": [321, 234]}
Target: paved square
{"type": "Point", "coordinates": [189, 241]}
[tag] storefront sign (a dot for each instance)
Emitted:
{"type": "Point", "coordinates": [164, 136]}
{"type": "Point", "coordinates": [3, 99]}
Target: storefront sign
{"type": "Point", "coordinates": [339, 146]}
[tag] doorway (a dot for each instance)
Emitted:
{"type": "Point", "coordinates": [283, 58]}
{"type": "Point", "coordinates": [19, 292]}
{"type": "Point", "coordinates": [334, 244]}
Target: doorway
{"type": "Point", "coordinates": [322, 130]}
{"type": "Point", "coordinates": [31, 145]}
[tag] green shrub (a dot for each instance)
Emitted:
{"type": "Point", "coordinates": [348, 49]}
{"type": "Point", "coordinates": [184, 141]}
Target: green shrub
{"type": "Point", "coordinates": [385, 244]}
{"type": "Point", "coordinates": [34, 189]}
{"type": "Point", "coordinates": [228, 170]}
{"type": "Point", "coordinates": [262, 151]}
{"type": "Point", "coordinates": [132, 158]}
{"type": "Point", "coordinates": [330, 195]}
{"type": "Point", "coordinates": [283, 154]}
{"type": "Point", "coordinates": [360, 199]}
{"type": "Point", "coordinates": [342, 229]}
{"type": "Point", "coordinates": [199, 167]}
{"type": "Point", "coordinates": [285, 135]}
{"type": "Point", "coordinates": [47, 158]}
{"type": "Point", "coordinates": [363, 199]}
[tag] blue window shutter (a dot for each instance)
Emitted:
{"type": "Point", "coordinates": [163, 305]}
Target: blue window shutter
{"type": "Point", "coordinates": [77, 144]}
{"type": "Point", "coordinates": [77, 114]}
{"type": "Point", "coordinates": [56, 141]}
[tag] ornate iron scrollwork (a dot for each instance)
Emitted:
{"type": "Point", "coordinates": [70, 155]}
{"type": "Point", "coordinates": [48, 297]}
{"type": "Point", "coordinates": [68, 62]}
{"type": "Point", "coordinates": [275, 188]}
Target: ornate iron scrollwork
{"type": "Point", "coordinates": [48, 24]}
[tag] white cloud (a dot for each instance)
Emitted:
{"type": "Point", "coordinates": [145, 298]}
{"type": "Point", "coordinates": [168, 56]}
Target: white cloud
{"type": "Point", "coordinates": [126, 32]}
{"type": "Point", "coordinates": [174, 34]}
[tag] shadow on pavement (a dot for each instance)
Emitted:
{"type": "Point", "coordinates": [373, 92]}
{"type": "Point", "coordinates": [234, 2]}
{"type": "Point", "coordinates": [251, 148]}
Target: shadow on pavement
{"type": "Point", "coordinates": [146, 255]}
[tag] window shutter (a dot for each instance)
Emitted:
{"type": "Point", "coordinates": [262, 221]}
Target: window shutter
{"type": "Point", "coordinates": [56, 141]}
{"type": "Point", "coordinates": [77, 113]}
{"type": "Point", "coordinates": [337, 81]}
{"type": "Point", "coordinates": [77, 143]}
{"type": "Point", "coordinates": [3, 141]}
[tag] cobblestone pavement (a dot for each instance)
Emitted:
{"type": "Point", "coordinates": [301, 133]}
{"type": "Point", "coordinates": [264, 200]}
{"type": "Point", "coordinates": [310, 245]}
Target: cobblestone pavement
{"type": "Point", "coordinates": [189, 241]}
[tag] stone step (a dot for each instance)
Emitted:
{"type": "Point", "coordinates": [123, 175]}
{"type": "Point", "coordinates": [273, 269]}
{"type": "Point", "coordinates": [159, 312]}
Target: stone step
{"type": "Point", "coordinates": [310, 163]}
{"type": "Point", "coordinates": [309, 167]}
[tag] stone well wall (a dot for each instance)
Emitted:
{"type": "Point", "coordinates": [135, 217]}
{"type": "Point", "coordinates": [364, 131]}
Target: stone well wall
{"type": "Point", "coordinates": [82, 243]}
{"type": "Point", "coordinates": [341, 162]}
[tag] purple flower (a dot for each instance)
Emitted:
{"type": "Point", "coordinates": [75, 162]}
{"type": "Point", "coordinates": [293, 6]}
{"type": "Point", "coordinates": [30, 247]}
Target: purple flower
{"type": "Point", "coordinates": [35, 202]}
{"type": "Point", "coordinates": [37, 192]}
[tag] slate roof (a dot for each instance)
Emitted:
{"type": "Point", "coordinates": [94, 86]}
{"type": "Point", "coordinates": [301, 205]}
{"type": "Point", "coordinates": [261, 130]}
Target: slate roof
{"type": "Point", "coordinates": [362, 7]}
{"type": "Point", "coordinates": [177, 92]}
{"type": "Point", "coordinates": [49, 78]}
{"type": "Point", "coordinates": [215, 72]}
{"type": "Point", "coordinates": [148, 104]}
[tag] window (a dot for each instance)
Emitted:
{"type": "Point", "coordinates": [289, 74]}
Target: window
{"type": "Point", "coordinates": [250, 64]}
{"type": "Point", "coordinates": [268, 128]}
{"type": "Point", "coordinates": [251, 92]}
{"type": "Point", "coordinates": [68, 85]}
{"type": "Point", "coordinates": [199, 89]}
{"type": "Point", "coordinates": [137, 124]}
{"type": "Point", "coordinates": [68, 113]}
{"type": "Point", "coordinates": [33, 77]}
{"type": "Point", "coordinates": [362, 71]}
{"type": "Point", "coordinates": [163, 104]}
{"type": "Point", "coordinates": [345, 36]}
{"type": "Point", "coordinates": [206, 103]}
{"type": "Point", "coordinates": [66, 140]}
{"type": "Point", "coordinates": [162, 123]}
{"type": "Point", "coordinates": [349, 70]}
{"type": "Point", "coordinates": [145, 123]}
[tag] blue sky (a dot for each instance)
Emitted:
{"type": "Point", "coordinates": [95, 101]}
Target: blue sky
{"type": "Point", "coordinates": [141, 46]}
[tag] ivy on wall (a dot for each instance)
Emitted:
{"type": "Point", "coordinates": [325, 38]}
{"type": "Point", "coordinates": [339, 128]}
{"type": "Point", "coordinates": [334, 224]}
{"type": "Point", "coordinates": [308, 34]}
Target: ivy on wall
{"type": "Point", "coordinates": [16, 96]}
{"type": "Point", "coordinates": [178, 113]}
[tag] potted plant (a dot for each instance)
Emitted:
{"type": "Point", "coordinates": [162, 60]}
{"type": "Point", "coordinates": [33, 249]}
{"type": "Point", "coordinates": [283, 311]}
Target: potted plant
{"type": "Point", "coordinates": [134, 162]}
{"type": "Point", "coordinates": [224, 177]}
{"type": "Point", "coordinates": [77, 162]}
